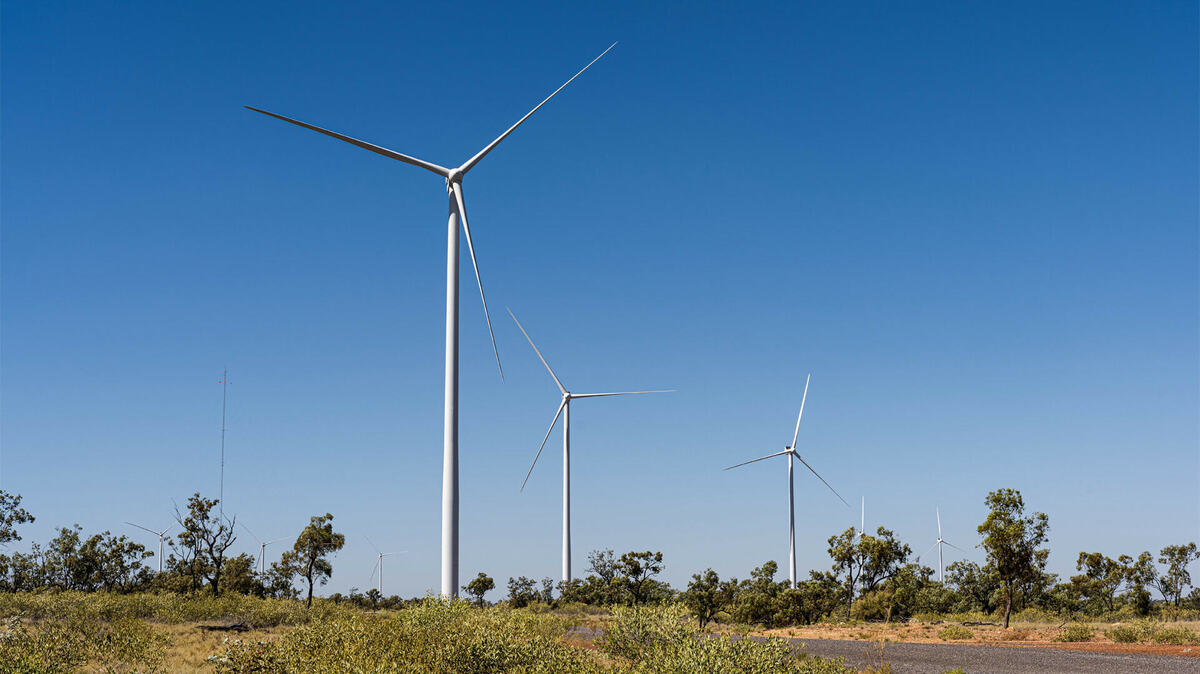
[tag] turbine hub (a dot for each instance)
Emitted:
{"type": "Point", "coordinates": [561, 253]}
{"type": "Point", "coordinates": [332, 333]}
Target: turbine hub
{"type": "Point", "coordinates": [455, 176]}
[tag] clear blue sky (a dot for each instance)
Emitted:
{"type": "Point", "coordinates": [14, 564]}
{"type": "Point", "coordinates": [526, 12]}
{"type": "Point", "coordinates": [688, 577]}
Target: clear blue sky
{"type": "Point", "coordinates": [975, 224]}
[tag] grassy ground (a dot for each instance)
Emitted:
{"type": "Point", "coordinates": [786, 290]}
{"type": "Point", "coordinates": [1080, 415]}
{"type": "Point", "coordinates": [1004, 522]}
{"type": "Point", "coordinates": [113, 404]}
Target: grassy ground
{"type": "Point", "coordinates": [72, 632]}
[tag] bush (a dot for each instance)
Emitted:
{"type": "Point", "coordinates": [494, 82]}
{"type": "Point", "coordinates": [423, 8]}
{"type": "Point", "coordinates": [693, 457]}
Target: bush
{"type": "Point", "coordinates": [1176, 636]}
{"type": "Point", "coordinates": [955, 633]}
{"type": "Point", "coordinates": [663, 639]}
{"type": "Point", "coordinates": [1126, 634]}
{"type": "Point", "coordinates": [1076, 632]}
{"type": "Point", "coordinates": [432, 636]}
{"type": "Point", "coordinates": [65, 643]}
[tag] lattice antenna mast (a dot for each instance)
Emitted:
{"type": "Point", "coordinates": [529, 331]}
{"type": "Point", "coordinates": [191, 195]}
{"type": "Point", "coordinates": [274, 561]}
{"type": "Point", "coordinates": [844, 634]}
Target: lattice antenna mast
{"type": "Point", "coordinates": [224, 398]}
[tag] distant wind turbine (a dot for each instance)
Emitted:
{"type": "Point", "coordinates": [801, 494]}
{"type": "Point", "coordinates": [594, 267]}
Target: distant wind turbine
{"type": "Point", "coordinates": [790, 453]}
{"type": "Point", "coordinates": [379, 563]}
{"type": "Point", "coordinates": [862, 525]}
{"type": "Point", "coordinates": [161, 537]}
{"type": "Point", "coordinates": [262, 548]}
{"type": "Point", "coordinates": [458, 211]}
{"type": "Point", "coordinates": [564, 409]}
{"type": "Point", "coordinates": [938, 544]}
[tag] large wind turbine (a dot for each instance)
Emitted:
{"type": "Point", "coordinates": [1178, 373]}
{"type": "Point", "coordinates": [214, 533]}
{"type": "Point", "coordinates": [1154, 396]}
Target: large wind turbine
{"type": "Point", "coordinates": [790, 453]}
{"type": "Point", "coordinates": [161, 537]}
{"type": "Point", "coordinates": [564, 409]}
{"type": "Point", "coordinates": [379, 563]}
{"type": "Point", "coordinates": [262, 548]}
{"type": "Point", "coordinates": [458, 211]}
{"type": "Point", "coordinates": [938, 544]}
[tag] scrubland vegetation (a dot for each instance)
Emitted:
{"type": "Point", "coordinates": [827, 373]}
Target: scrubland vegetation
{"type": "Point", "coordinates": [93, 603]}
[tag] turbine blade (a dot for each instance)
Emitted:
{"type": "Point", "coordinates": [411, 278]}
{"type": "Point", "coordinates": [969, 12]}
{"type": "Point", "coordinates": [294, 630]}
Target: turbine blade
{"type": "Point", "coordinates": [953, 545]}
{"type": "Point", "coordinates": [543, 445]}
{"type": "Point", "coordinates": [535, 350]}
{"type": "Point", "coordinates": [142, 528]}
{"type": "Point", "coordinates": [814, 472]}
{"type": "Point", "coordinates": [761, 458]}
{"type": "Point", "coordinates": [250, 532]}
{"type": "Point", "coordinates": [374, 569]}
{"type": "Point", "coordinates": [462, 215]}
{"type": "Point", "coordinates": [927, 551]}
{"type": "Point", "coordinates": [372, 544]}
{"type": "Point", "coordinates": [618, 393]}
{"type": "Point", "coordinates": [428, 166]}
{"type": "Point", "coordinates": [389, 554]}
{"type": "Point", "coordinates": [796, 435]}
{"type": "Point", "coordinates": [483, 153]}
{"type": "Point", "coordinates": [275, 541]}
{"type": "Point", "coordinates": [166, 530]}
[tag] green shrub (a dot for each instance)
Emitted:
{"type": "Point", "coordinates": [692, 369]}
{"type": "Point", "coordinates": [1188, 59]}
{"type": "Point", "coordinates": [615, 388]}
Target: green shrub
{"type": "Point", "coordinates": [431, 636]}
{"type": "Point", "coordinates": [1076, 632]}
{"type": "Point", "coordinates": [955, 633]}
{"type": "Point", "coordinates": [1177, 636]}
{"type": "Point", "coordinates": [662, 639]}
{"type": "Point", "coordinates": [66, 643]}
{"type": "Point", "coordinates": [1125, 634]}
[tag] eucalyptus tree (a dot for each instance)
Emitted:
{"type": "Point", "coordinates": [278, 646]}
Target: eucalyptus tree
{"type": "Point", "coordinates": [1013, 542]}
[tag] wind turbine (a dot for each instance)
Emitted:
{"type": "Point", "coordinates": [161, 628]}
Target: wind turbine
{"type": "Point", "coordinates": [938, 544]}
{"type": "Point", "coordinates": [862, 525]}
{"type": "Point", "coordinates": [564, 409]}
{"type": "Point", "coordinates": [161, 537]}
{"type": "Point", "coordinates": [379, 563]}
{"type": "Point", "coordinates": [790, 453]}
{"type": "Point", "coordinates": [262, 548]}
{"type": "Point", "coordinates": [458, 211]}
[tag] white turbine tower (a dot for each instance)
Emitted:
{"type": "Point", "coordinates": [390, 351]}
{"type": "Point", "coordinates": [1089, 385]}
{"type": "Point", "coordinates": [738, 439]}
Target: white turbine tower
{"type": "Point", "coordinates": [938, 544]}
{"type": "Point", "coordinates": [458, 211]}
{"type": "Point", "coordinates": [564, 409]}
{"type": "Point", "coordinates": [262, 548]}
{"type": "Point", "coordinates": [161, 537]}
{"type": "Point", "coordinates": [790, 453]}
{"type": "Point", "coordinates": [379, 563]}
{"type": "Point", "coordinates": [862, 524]}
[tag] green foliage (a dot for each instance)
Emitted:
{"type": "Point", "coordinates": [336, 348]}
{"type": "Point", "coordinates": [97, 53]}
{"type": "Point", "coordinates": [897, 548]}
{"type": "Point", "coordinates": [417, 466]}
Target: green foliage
{"type": "Point", "coordinates": [309, 555]}
{"type": "Point", "coordinates": [1174, 582]}
{"type": "Point", "coordinates": [1178, 636]}
{"type": "Point", "coordinates": [522, 592]}
{"type": "Point", "coordinates": [481, 585]}
{"type": "Point", "coordinates": [11, 515]}
{"type": "Point", "coordinates": [1076, 632]}
{"type": "Point", "coordinates": [207, 535]}
{"type": "Point", "coordinates": [1129, 634]}
{"type": "Point", "coordinates": [430, 636]}
{"type": "Point", "coordinates": [661, 639]}
{"type": "Point", "coordinates": [707, 596]}
{"type": "Point", "coordinates": [636, 570]}
{"type": "Point", "coordinates": [1013, 543]}
{"type": "Point", "coordinates": [68, 640]}
{"type": "Point", "coordinates": [955, 633]}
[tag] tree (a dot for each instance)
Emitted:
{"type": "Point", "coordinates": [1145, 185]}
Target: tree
{"type": "Point", "coordinates": [482, 584]}
{"type": "Point", "coordinates": [1013, 542]}
{"type": "Point", "coordinates": [11, 515]}
{"type": "Point", "coordinates": [309, 555]}
{"type": "Point", "coordinates": [707, 595]}
{"type": "Point", "coordinates": [1101, 579]}
{"type": "Point", "coordinates": [866, 560]}
{"type": "Point", "coordinates": [207, 536]}
{"type": "Point", "coordinates": [636, 569]}
{"type": "Point", "coordinates": [1174, 582]}
{"type": "Point", "coordinates": [522, 592]}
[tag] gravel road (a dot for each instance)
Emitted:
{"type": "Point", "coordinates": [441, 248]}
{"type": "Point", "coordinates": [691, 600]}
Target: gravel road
{"type": "Point", "coordinates": [937, 658]}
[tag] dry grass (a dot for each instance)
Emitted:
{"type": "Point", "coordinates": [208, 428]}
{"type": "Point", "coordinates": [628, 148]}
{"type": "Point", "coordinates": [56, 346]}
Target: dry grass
{"type": "Point", "coordinates": [191, 646]}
